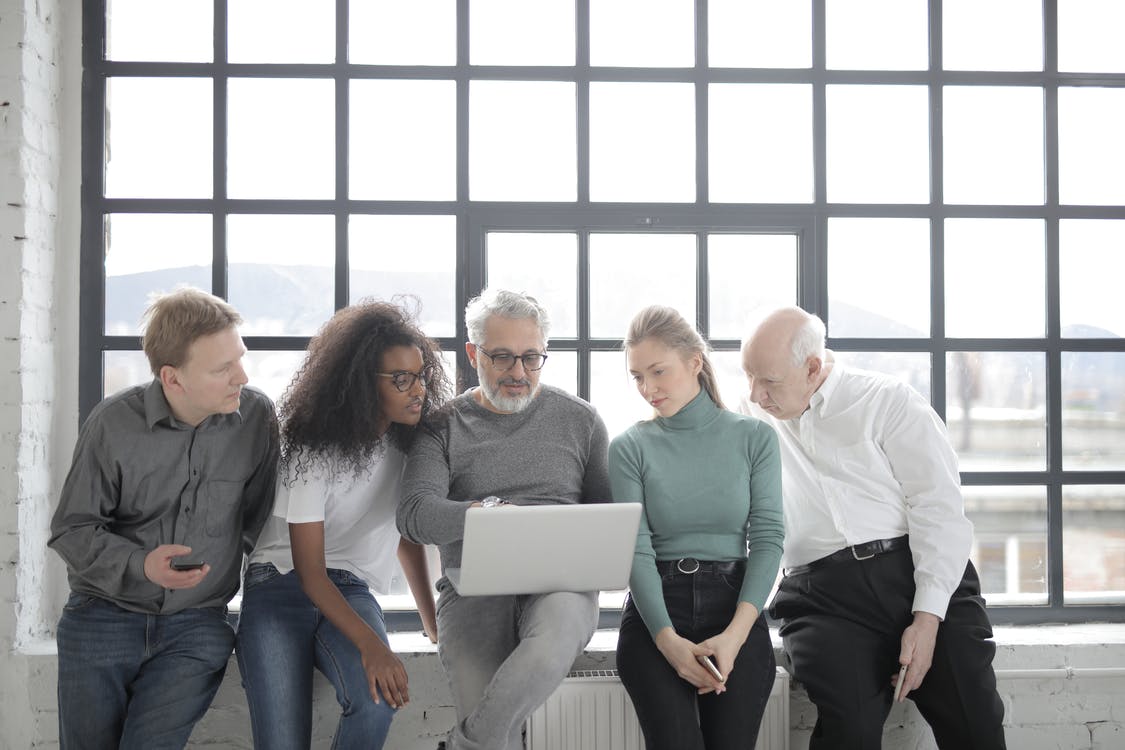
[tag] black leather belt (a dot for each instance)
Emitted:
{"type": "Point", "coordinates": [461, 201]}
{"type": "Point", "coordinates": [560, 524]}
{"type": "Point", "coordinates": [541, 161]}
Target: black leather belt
{"type": "Point", "coordinates": [689, 565]}
{"type": "Point", "coordinates": [864, 551]}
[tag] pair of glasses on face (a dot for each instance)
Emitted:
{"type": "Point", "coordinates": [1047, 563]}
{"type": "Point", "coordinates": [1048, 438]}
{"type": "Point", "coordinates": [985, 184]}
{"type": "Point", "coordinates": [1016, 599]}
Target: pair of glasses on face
{"type": "Point", "coordinates": [403, 380]}
{"type": "Point", "coordinates": [504, 361]}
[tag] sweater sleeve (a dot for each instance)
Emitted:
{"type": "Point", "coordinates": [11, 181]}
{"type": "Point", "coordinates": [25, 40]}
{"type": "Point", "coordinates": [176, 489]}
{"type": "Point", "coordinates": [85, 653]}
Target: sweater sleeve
{"type": "Point", "coordinates": [425, 513]}
{"type": "Point", "coordinates": [644, 580]}
{"type": "Point", "coordinates": [765, 527]}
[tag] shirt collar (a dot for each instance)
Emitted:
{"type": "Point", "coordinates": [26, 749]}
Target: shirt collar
{"type": "Point", "coordinates": [699, 412]}
{"type": "Point", "coordinates": [157, 410]}
{"type": "Point", "coordinates": [822, 399]}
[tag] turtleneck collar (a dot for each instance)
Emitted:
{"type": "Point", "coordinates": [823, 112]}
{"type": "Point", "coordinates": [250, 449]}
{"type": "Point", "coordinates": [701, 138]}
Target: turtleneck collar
{"type": "Point", "coordinates": [696, 414]}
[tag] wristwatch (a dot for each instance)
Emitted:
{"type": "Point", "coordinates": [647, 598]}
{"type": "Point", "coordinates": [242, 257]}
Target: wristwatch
{"type": "Point", "coordinates": [492, 501]}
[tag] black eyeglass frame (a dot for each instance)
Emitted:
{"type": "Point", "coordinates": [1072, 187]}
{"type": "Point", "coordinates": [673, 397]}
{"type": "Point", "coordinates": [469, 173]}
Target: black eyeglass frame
{"type": "Point", "coordinates": [423, 375]}
{"type": "Point", "coordinates": [521, 357]}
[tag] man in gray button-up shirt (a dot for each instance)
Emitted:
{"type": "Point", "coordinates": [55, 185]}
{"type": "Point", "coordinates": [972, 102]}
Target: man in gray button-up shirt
{"type": "Point", "coordinates": [170, 484]}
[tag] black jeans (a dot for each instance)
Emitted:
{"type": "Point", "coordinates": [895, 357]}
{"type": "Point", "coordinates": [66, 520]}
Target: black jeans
{"type": "Point", "coordinates": [672, 715]}
{"type": "Point", "coordinates": [842, 626]}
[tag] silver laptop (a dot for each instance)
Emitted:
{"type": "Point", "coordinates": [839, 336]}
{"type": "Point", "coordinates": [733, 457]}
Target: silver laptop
{"type": "Point", "coordinates": [514, 549]}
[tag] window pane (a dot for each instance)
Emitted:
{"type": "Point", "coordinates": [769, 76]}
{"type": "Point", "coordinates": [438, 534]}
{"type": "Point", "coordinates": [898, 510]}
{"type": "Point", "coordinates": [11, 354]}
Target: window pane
{"type": "Point", "coordinates": [612, 392]}
{"type": "Point", "coordinates": [760, 143]}
{"type": "Point", "coordinates": [402, 140]}
{"type": "Point", "coordinates": [1009, 542]}
{"type": "Point", "coordinates": [271, 371]}
{"type": "Point", "coordinates": [992, 34]}
{"type": "Point", "coordinates": [392, 32]}
{"type": "Point", "coordinates": [993, 147]}
{"type": "Point", "coordinates": [522, 143]}
{"type": "Point", "coordinates": [1091, 152]}
{"type": "Point", "coordinates": [542, 264]}
{"type": "Point", "coordinates": [158, 138]}
{"type": "Point", "coordinates": [978, 253]}
{"type": "Point", "coordinates": [642, 142]}
{"type": "Point", "coordinates": [759, 34]}
{"type": "Point", "coordinates": [996, 410]}
{"type": "Point", "coordinates": [147, 254]}
{"type": "Point", "coordinates": [732, 380]}
{"type": "Point", "coordinates": [1091, 266]}
{"type": "Point", "coordinates": [561, 369]}
{"type": "Point", "coordinates": [878, 144]}
{"type": "Point", "coordinates": [1093, 410]}
{"type": "Point", "coordinates": [280, 31]}
{"type": "Point", "coordinates": [632, 271]}
{"type": "Point", "coordinates": [1090, 36]}
{"type": "Point", "coordinates": [282, 272]}
{"type": "Point", "coordinates": [640, 33]}
{"type": "Point", "coordinates": [863, 254]}
{"type": "Point", "coordinates": [746, 271]}
{"type": "Point", "coordinates": [912, 368]}
{"type": "Point", "coordinates": [271, 152]}
{"type": "Point", "coordinates": [1093, 544]}
{"type": "Point", "coordinates": [168, 31]}
{"type": "Point", "coordinates": [123, 369]}
{"type": "Point", "coordinates": [516, 32]}
{"type": "Point", "coordinates": [877, 34]}
{"type": "Point", "coordinates": [414, 255]}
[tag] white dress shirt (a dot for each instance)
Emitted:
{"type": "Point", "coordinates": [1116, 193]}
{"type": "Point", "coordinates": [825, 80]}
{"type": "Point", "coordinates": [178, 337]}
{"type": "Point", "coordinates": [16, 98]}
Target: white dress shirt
{"type": "Point", "coordinates": [869, 459]}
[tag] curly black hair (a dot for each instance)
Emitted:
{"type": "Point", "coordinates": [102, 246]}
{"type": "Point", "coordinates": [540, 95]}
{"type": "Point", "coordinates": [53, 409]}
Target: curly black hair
{"type": "Point", "coordinates": [330, 411]}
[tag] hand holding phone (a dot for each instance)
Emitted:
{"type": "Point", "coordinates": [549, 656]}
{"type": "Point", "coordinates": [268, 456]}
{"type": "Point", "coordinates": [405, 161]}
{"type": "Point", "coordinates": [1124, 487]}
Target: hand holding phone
{"type": "Point", "coordinates": [185, 563]}
{"type": "Point", "coordinates": [898, 685]}
{"type": "Point", "coordinates": [710, 665]}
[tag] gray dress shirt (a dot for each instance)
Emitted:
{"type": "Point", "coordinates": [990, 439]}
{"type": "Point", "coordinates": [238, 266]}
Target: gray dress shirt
{"type": "Point", "coordinates": [140, 479]}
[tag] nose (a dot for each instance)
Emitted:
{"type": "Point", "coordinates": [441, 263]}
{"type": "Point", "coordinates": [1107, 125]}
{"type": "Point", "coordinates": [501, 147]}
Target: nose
{"type": "Point", "coordinates": [646, 386]}
{"type": "Point", "coordinates": [239, 374]}
{"type": "Point", "coordinates": [757, 392]}
{"type": "Point", "coordinates": [418, 386]}
{"type": "Point", "coordinates": [517, 369]}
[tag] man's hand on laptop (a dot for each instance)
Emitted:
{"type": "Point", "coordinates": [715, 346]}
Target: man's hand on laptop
{"type": "Point", "coordinates": [490, 502]}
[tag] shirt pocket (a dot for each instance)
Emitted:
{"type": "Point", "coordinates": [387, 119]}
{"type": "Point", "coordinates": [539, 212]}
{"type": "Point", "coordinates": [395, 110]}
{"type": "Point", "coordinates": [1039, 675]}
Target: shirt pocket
{"type": "Point", "coordinates": [224, 506]}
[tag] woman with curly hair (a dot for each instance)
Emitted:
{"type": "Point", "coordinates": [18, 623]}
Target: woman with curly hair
{"type": "Point", "coordinates": [347, 419]}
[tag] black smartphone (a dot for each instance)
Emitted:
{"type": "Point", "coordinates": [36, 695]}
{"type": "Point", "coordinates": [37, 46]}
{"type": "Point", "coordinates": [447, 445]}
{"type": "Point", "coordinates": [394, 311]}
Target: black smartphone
{"type": "Point", "coordinates": [186, 563]}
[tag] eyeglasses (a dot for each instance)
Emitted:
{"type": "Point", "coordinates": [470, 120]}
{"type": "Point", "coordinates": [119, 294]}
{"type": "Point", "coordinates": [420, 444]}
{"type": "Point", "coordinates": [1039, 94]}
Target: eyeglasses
{"type": "Point", "coordinates": [403, 380]}
{"type": "Point", "coordinates": [504, 361]}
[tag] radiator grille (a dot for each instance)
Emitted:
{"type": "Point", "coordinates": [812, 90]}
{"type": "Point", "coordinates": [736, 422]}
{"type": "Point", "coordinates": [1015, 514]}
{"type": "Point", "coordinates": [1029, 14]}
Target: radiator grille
{"type": "Point", "coordinates": [591, 711]}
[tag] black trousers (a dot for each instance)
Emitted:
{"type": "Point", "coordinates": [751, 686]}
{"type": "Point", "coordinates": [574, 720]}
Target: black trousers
{"type": "Point", "coordinates": [672, 715]}
{"type": "Point", "coordinates": [842, 627]}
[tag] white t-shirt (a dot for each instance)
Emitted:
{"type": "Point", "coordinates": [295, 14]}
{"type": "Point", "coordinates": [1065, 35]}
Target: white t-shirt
{"type": "Point", "coordinates": [360, 535]}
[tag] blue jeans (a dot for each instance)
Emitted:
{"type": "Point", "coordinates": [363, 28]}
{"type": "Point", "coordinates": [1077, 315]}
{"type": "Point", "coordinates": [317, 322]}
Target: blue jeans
{"type": "Point", "coordinates": [672, 715]}
{"type": "Point", "coordinates": [129, 680]}
{"type": "Point", "coordinates": [281, 637]}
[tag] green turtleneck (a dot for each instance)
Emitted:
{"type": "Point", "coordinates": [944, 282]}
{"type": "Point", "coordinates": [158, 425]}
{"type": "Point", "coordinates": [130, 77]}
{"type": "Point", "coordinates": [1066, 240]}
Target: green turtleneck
{"type": "Point", "coordinates": [710, 483]}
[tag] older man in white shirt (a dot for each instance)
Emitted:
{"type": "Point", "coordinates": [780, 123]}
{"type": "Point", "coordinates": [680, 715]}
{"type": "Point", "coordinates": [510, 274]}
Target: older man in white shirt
{"type": "Point", "coordinates": [876, 560]}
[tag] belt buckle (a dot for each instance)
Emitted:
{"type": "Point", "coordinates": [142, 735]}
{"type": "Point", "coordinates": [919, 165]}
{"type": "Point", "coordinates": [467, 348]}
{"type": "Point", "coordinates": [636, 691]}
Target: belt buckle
{"type": "Point", "coordinates": [856, 554]}
{"type": "Point", "coordinates": [680, 565]}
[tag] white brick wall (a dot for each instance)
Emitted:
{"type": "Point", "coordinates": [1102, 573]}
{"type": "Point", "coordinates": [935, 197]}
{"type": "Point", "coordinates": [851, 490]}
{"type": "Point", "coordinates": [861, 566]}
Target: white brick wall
{"type": "Point", "coordinates": [39, 178]}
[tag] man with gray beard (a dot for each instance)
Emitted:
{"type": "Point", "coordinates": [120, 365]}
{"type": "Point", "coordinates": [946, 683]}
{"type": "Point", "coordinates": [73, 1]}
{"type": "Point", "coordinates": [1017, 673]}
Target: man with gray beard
{"type": "Point", "coordinates": [510, 440]}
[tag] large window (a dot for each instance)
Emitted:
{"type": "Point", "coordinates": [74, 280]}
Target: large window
{"type": "Point", "coordinates": [941, 181]}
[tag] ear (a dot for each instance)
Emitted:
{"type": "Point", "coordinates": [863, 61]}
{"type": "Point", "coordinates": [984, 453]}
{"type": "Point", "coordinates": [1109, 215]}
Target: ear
{"type": "Point", "coordinates": [696, 364]}
{"type": "Point", "coordinates": [813, 366]}
{"type": "Point", "coordinates": [471, 352]}
{"type": "Point", "coordinates": [170, 378]}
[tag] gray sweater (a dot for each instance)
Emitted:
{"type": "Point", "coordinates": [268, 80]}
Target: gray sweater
{"type": "Point", "coordinates": [554, 451]}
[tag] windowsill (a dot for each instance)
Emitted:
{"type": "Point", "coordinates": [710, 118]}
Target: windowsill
{"type": "Point", "coordinates": [1023, 646]}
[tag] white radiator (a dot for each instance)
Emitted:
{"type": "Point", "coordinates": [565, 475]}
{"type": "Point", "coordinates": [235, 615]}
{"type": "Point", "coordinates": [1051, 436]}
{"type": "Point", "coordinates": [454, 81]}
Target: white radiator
{"type": "Point", "coordinates": [591, 711]}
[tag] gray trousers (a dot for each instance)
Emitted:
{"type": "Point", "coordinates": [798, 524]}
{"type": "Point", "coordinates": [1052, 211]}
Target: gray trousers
{"type": "Point", "coordinates": [505, 655]}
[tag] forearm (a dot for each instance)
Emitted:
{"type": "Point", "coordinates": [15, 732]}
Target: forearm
{"type": "Point", "coordinates": [745, 615]}
{"type": "Point", "coordinates": [412, 558]}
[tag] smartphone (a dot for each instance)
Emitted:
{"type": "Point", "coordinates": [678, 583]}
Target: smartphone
{"type": "Point", "coordinates": [185, 563]}
{"type": "Point", "coordinates": [706, 661]}
{"type": "Point", "coordinates": [898, 685]}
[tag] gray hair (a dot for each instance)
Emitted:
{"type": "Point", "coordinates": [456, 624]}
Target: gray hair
{"type": "Point", "coordinates": [507, 305]}
{"type": "Point", "coordinates": [808, 341]}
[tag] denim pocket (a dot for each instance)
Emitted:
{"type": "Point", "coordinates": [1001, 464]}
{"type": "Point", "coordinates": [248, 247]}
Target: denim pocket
{"type": "Point", "coordinates": [259, 573]}
{"type": "Point", "coordinates": [78, 601]}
